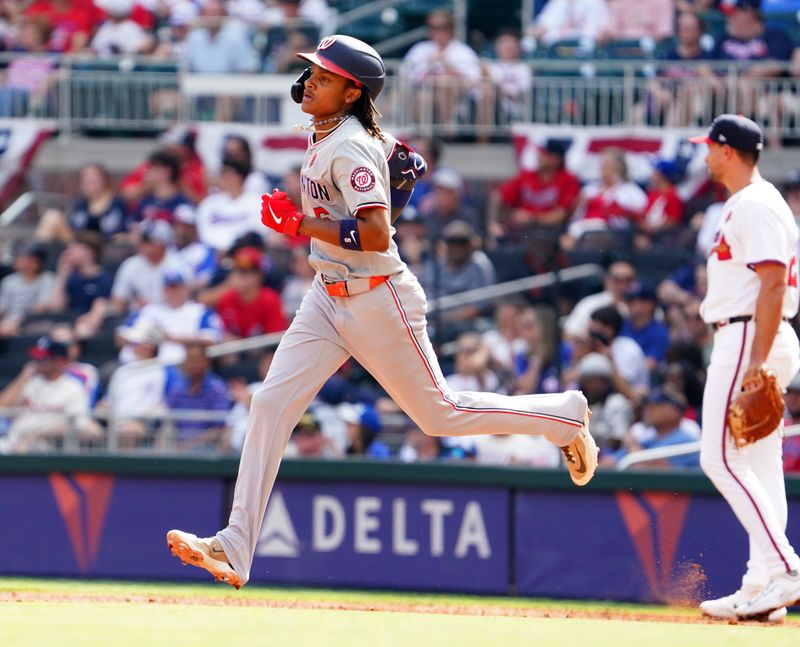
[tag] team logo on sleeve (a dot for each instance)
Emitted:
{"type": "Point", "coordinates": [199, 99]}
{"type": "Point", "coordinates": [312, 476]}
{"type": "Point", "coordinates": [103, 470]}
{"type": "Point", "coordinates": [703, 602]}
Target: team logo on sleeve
{"type": "Point", "coordinates": [362, 179]}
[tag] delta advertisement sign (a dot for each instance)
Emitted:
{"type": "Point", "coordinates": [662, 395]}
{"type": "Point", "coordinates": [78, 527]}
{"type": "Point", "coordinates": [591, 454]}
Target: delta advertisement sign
{"type": "Point", "coordinates": [400, 536]}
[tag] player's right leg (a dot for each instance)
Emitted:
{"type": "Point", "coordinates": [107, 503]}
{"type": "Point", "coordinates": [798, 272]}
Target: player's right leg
{"type": "Point", "coordinates": [307, 356]}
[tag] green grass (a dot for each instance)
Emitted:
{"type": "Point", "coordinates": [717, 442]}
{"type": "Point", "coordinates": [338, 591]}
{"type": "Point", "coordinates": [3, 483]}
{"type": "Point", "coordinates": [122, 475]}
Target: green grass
{"type": "Point", "coordinates": [139, 623]}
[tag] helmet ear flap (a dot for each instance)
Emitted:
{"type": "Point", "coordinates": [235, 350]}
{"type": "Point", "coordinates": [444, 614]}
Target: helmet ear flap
{"type": "Point", "coordinates": [299, 85]}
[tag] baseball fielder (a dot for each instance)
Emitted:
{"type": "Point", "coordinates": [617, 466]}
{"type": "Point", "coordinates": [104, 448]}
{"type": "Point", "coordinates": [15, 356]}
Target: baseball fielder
{"type": "Point", "coordinates": [752, 291]}
{"type": "Point", "coordinates": [364, 303]}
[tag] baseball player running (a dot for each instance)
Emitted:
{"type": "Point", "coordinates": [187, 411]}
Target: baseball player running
{"type": "Point", "coordinates": [752, 291]}
{"type": "Point", "coordinates": [364, 303]}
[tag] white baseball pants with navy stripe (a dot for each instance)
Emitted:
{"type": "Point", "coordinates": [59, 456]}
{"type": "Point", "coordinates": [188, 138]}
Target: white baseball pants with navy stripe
{"type": "Point", "coordinates": [385, 331]}
{"type": "Point", "coordinates": [751, 478]}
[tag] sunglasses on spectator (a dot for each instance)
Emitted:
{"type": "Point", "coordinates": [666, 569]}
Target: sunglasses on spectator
{"type": "Point", "coordinates": [458, 240]}
{"type": "Point", "coordinates": [621, 278]}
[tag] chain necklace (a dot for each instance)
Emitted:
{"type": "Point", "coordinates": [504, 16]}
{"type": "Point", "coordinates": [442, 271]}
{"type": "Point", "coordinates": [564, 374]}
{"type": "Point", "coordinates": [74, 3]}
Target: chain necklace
{"type": "Point", "coordinates": [313, 124]}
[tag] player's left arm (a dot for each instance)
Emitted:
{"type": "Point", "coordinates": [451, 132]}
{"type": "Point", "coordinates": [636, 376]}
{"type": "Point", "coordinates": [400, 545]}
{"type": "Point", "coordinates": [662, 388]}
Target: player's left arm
{"type": "Point", "coordinates": [372, 229]}
{"type": "Point", "coordinates": [769, 305]}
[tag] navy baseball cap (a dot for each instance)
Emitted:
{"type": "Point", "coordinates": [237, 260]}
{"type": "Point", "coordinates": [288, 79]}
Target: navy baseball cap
{"type": "Point", "coordinates": [47, 348]}
{"type": "Point", "coordinates": [667, 396]}
{"type": "Point", "coordinates": [737, 131]}
{"type": "Point", "coordinates": [641, 291]}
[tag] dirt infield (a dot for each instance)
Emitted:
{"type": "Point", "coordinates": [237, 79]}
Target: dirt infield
{"type": "Point", "coordinates": [543, 611]}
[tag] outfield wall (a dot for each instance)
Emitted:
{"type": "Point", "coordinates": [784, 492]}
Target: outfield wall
{"type": "Point", "coordinates": [627, 536]}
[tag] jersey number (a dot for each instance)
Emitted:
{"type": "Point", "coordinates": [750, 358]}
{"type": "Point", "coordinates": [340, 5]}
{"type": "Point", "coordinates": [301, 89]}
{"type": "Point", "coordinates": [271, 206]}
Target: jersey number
{"type": "Point", "coordinates": [319, 212]}
{"type": "Point", "coordinates": [791, 278]}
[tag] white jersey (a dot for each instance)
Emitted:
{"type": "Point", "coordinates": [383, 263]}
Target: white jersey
{"type": "Point", "coordinates": [341, 174]}
{"type": "Point", "coordinates": [757, 225]}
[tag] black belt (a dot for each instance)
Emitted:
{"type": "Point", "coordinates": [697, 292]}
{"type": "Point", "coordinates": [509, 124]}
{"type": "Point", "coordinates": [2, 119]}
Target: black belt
{"type": "Point", "coordinates": [741, 318]}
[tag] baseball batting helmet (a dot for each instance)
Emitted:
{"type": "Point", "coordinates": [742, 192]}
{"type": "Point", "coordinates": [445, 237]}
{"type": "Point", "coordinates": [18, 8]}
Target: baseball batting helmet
{"type": "Point", "coordinates": [348, 57]}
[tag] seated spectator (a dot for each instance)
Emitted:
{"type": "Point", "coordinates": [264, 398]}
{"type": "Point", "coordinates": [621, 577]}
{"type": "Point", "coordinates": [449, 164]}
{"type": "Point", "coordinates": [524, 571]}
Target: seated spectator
{"type": "Point", "coordinates": [199, 258]}
{"type": "Point", "coordinates": [163, 195]}
{"type": "Point", "coordinates": [82, 287]}
{"type": "Point", "coordinates": [442, 69]}
{"type": "Point", "coordinates": [28, 78]}
{"type": "Point", "coordinates": [631, 377]}
{"type": "Point", "coordinates": [535, 364]}
{"type": "Point", "coordinates": [308, 441]}
{"type": "Point", "coordinates": [178, 21]}
{"type": "Point", "coordinates": [140, 278]}
{"type": "Point", "coordinates": [697, 331]}
{"type": "Point", "coordinates": [298, 282]}
{"type": "Point", "coordinates": [97, 209]}
{"type": "Point", "coordinates": [135, 393]}
{"type": "Point", "coordinates": [544, 196]}
{"type": "Point", "coordinates": [73, 22]}
{"type": "Point", "coordinates": [26, 291]}
{"type": "Point", "coordinates": [612, 203]}
{"type": "Point", "coordinates": [447, 203]}
{"type": "Point", "coordinates": [237, 147]}
{"type": "Point", "coordinates": [612, 413]}
{"type": "Point", "coordinates": [119, 34]}
{"type": "Point", "coordinates": [248, 308]}
{"type": "Point", "coordinates": [180, 143]}
{"type": "Point", "coordinates": [515, 449]}
{"type": "Point", "coordinates": [664, 426]}
{"type": "Point", "coordinates": [661, 220]}
{"type": "Point", "coordinates": [472, 372]}
{"type": "Point", "coordinates": [218, 44]}
{"type": "Point", "coordinates": [419, 447]}
{"type": "Point", "coordinates": [242, 395]}
{"type": "Point", "coordinates": [651, 19]}
{"type": "Point", "coordinates": [509, 82]}
{"type": "Point", "coordinates": [641, 325]}
{"type": "Point", "coordinates": [231, 212]}
{"type": "Point", "coordinates": [193, 386]}
{"type": "Point", "coordinates": [363, 426]}
{"type": "Point", "coordinates": [52, 402]}
{"type": "Point", "coordinates": [180, 320]}
{"type": "Point", "coordinates": [463, 267]}
{"type": "Point", "coordinates": [619, 278]}
{"type": "Point", "coordinates": [583, 20]}
{"type": "Point", "coordinates": [504, 341]}
{"type": "Point", "coordinates": [87, 374]}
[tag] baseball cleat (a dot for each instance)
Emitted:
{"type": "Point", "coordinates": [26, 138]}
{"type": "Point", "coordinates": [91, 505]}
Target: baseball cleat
{"type": "Point", "coordinates": [580, 455]}
{"type": "Point", "coordinates": [725, 608]}
{"type": "Point", "coordinates": [782, 591]}
{"type": "Point", "coordinates": [206, 553]}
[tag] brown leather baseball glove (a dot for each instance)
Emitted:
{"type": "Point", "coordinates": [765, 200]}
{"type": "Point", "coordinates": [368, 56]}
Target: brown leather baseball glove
{"type": "Point", "coordinates": [758, 408]}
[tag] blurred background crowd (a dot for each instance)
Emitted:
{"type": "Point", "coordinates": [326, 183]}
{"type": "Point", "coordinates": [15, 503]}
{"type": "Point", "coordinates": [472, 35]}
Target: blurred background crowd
{"type": "Point", "coordinates": [117, 311]}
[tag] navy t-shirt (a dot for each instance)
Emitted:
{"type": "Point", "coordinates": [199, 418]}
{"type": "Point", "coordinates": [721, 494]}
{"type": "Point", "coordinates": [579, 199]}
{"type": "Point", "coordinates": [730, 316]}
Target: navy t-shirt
{"type": "Point", "coordinates": [108, 223]}
{"type": "Point", "coordinates": [82, 291]}
{"type": "Point", "coordinates": [153, 208]}
{"type": "Point", "coordinates": [773, 44]}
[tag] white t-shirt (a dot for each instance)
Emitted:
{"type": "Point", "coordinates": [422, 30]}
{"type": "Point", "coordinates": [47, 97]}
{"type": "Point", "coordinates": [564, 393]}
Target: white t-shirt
{"type": "Point", "coordinates": [55, 398]}
{"type": "Point", "coordinates": [222, 219]}
{"type": "Point", "coordinates": [419, 63]}
{"type": "Point", "coordinates": [630, 362]}
{"type": "Point", "coordinates": [577, 322]}
{"type": "Point", "coordinates": [757, 225]}
{"type": "Point", "coordinates": [516, 449]}
{"type": "Point", "coordinates": [136, 390]}
{"type": "Point", "coordinates": [139, 280]}
{"type": "Point", "coordinates": [566, 19]}
{"type": "Point", "coordinates": [126, 37]}
{"type": "Point", "coordinates": [502, 350]}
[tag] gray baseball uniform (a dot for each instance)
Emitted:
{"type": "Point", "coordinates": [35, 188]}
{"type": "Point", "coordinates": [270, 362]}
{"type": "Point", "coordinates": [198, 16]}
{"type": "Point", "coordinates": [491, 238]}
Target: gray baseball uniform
{"type": "Point", "coordinates": [383, 328]}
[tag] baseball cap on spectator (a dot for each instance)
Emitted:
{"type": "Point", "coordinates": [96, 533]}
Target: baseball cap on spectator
{"type": "Point", "coordinates": [34, 250]}
{"type": "Point", "coordinates": [118, 8]}
{"type": "Point", "coordinates": [670, 169]}
{"type": "Point", "coordinates": [250, 239]}
{"type": "Point", "coordinates": [641, 291]}
{"type": "Point", "coordinates": [240, 167]}
{"type": "Point", "coordinates": [729, 6]}
{"type": "Point", "coordinates": [185, 215]}
{"type": "Point", "coordinates": [360, 414]}
{"type": "Point", "coordinates": [556, 147]}
{"type": "Point", "coordinates": [447, 178]}
{"type": "Point", "coordinates": [595, 365]}
{"type": "Point", "coordinates": [736, 131]}
{"type": "Point", "coordinates": [173, 277]}
{"type": "Point", "coordinates": [179, 136]}
{"type": "Point", "coordinates": [667, 396]}
{"type": "Point", "coordinates": [144, 334]}
{"type": "Point", "coordinates": [457, 232]}
{"type": "Point", "coordinates": [48, 348]}
{"type": "Point", "coordinates": [247, 258]}
{"type": "Point", "coordinates": [157, 231]}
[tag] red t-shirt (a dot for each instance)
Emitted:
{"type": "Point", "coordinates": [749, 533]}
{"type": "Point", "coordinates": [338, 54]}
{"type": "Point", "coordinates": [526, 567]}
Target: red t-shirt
{"type": "Point", "coordinates": [664, 208]}
{"type": "Point", "coordinates": [528, 191]}
{"type": "Point", "coordinates": [81, 17]}
{"type": "Point", "coordinates": [263, 315]}
{"type": "Point", "coordinates": [192, 178]}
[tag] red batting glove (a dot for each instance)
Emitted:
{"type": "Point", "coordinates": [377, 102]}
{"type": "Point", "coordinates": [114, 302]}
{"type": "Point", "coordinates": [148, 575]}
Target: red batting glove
{"type": "Point", "coordinates": [279, 213]}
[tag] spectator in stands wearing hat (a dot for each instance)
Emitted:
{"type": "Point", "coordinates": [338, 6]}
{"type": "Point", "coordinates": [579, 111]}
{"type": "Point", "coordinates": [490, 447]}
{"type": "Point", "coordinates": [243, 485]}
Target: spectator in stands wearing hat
{"type": "Point", "coordinates": [612, 413]}
{"type": "Point", "coordinates": [97, 208]}
{"type": "Point", "coordinates": [26, 291]}
{"type": "Point", "coordinates": [140, 278]}
{"type": "Point", "coordinates": [231, 212]}
{"type": "Point", "coordinates": [119, 34]}
{"type": "Point", "coordinates": [308, 441]}
{"type": "Point", "coordinates": [180, 320]}
{"type": "Point", "coordinates": [199, 258]}
{"type": "Point", "coordinates": [248, 308]}
{"type": "Point", "coordinates": [661, 219]}
{"type": "Point", "coordinates": [641, 325]}
{"type": "Point", "coordinates": [164, 193]}
{"type": "Point", "coordinates": [51, 401]}
{"type": "Point", "coordinates": [543, 196]}
{"type": "Point", "coordinates": [194, 386]}
{"type": "Point", "coordinates": [663, 425]}
{"type": "Point", "coordinates": [86, 373]}
{"type": "Point", "coordinates": [179, 142]}
{"type": "Point", "coordinates": [135, 393]}
{"type": "Point", "coordinates": [363, 425]}
{"type": "Point", "coordinates": [447, 203]}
